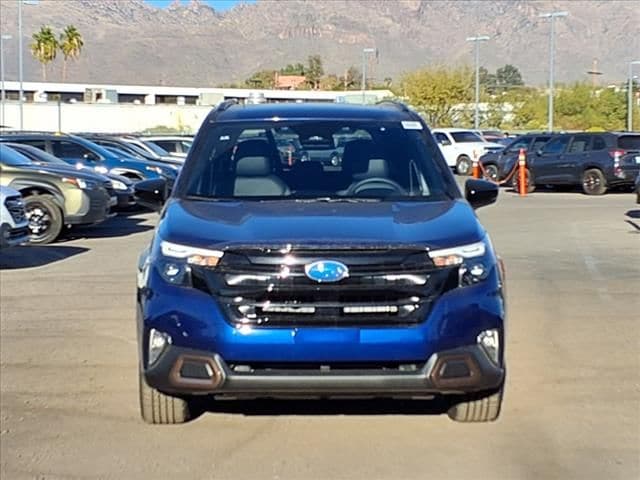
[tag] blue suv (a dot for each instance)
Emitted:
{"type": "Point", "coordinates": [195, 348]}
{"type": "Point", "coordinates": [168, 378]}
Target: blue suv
{"type": "Point", "coordinates": [267, 278]}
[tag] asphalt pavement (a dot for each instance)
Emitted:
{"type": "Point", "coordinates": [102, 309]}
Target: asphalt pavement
{"type": "Point", "coordinates": [68, 371]}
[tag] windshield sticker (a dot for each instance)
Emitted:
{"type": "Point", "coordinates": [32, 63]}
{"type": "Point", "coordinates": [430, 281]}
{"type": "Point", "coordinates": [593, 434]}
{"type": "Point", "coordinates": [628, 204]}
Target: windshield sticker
{"type": "Point", "coordinates": [407, 125]}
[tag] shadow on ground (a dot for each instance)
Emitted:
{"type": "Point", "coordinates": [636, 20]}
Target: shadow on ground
{"type": "Point", "coordinates": [36, 256]}
{"type": "Point", "coordinates": [119, 226]}
{"type": "Point", "coordinates": [634, 214]}
{"type": "Point", "coordinates": [270, 407]}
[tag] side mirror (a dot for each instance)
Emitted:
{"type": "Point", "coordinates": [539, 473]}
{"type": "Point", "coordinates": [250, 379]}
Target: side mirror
{"type": "Point", "coordinates": [151, 193]}
{"type": "Point", "coordinates": [444, 142]}
{"type": "Point", "coordinates": [539, 152]}
{"type": "Point", "coordinates": [480, 193]}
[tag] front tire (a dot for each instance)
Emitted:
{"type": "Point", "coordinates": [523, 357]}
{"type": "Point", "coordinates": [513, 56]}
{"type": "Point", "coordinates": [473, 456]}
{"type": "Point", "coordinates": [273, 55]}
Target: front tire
{"type": "Point", "coordinates": [486, 409]}
{"type": "Point", "coordinates": [593, 182]}
{"type": "Point", "coordinates": [159, 409]}
{"type": "Point", "coordinates": [45, 218]}
{"type": "Point", "coordinates": [491, 172]}
{"type": "Point", "coordinates": [463, 165]}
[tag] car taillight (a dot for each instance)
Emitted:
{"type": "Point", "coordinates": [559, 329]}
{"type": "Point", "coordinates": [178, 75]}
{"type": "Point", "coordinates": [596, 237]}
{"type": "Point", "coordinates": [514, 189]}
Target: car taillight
{"type": "Point", "coordinates": [617, 153]}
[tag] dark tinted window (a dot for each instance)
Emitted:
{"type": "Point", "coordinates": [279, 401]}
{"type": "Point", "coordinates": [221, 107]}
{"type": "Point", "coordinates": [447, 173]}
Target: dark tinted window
{"type": "Point", "coordinates": [538, 143]}
{"type": "Point", "coordinates": [557, 145]}
{"type": "Point", "coordinates": [629, 142]}
{"type": "Point", "coordinates": [466, 137]}
{"type": "Point", "coordinates": [41, 144]}
{"type": "Point", "coordinates": [382, 161]}
{"type": "Point", "coordinates": [71, 150]}
{"type": "Point", "coordinates": [442, 138]}
{"type": "Point", "coordinates": [579, 144]}
{"type": "Point", "coordinates": [598, 143]}
{"type": "Point", "coordinates": [519, 143]}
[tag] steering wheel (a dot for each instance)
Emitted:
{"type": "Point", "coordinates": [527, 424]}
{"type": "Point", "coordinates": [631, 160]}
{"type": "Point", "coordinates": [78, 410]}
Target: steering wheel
{"type": "Point", "coordinates": [375, 183]}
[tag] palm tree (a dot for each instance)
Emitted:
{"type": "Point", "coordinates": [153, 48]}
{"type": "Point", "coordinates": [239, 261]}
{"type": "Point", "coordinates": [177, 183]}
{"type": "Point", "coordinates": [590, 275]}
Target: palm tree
{"type": "Point", "coordinates": [71, 44]}
{"type": "Point", "coordinates": [44, 47]}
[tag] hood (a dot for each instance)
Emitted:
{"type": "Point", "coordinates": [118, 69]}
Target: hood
{"type": "Point", "coordinates": [216, 224]}
{"type": "Point", "coordinates": [68, 171]}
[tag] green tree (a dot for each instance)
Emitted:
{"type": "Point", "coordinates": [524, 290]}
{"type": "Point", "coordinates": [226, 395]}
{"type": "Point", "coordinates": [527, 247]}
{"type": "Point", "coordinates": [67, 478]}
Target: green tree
{"type": "Point", "coordinates": [352, 79]}
{"type": "Point", "coordinates": [440, 94]}
{"type": "Point", "coordinates": [487, 80]}
{"type": "Point", "coordinates": [262, 79]}
{"type": "Point", "coordinates": [508, 76]}
{"type": "Point", "coordinates": [44, 47]}
{"type": "Point", "coordinates": [71, 44]}
{"type": "Point", "coordinates": [293, 69]}
{"type": "Point", "coordinates": [314, 71]}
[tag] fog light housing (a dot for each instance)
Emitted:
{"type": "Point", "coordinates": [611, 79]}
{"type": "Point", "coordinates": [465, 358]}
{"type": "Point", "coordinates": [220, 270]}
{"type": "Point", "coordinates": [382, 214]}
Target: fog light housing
{"type": "Point", "coordinates": [158, 342]}
{"type": "Point", "coordinates": [489, 341]}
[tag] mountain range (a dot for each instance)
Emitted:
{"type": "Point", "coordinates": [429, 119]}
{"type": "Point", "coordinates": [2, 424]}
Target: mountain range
{"type": "Point", "coordinates": [131, 42]}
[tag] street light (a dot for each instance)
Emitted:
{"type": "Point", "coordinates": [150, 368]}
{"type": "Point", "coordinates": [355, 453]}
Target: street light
{"type": "Point", "coordinates": [476, 41]}
{"type": "Point", "coordinates": [20, 60]}
{"type": "Point", "coordinates": [2, 93]}
{"type": "Point", "coordinates": [552, 52]}
{"type": "Point", "coordinates": [630, 96]}
{"type": "Point", "coordinates": [364, 70]}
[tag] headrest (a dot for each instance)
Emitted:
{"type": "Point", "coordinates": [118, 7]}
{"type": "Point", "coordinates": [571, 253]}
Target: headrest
{"type": "Point", "coordinates": [378, 168]}
{"type": "Point", "coordinates": [253, 148]}
{"type": "Point", "coordinates": [357, 153]}
{"type": "Point", "coordinates": [255, 166]}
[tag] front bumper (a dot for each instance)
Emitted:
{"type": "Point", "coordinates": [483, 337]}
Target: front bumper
{"type": "Point", "coordinates": [183, 371]}
{"type": "Point", "coordinates": [96, 208]}
{"type": "Point", "coordinates": [11, 237]}
{"type": "Point", "coordinates": [125, 199]}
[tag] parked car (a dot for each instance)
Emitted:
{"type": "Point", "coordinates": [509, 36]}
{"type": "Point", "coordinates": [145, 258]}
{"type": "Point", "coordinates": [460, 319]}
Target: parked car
{"type": "Point", "coordinates": [590, 160]}
{"type": "Point", "coordinates": [371, 279]}
{"type": "Point", "coordinates": [637, 189]}
{"type": "Point", "coordinates": [177, 146]}
{"type": "Point", "coordinates": [80, 152]}
{"type": "Point", "coordinates": [459, 146]}
{"type": "Point", "coordinates": [499, 164]}
{"type": "Point", "coordinates": [54, 197]}
{"type": "Point", "coordinates": [133, 147]}
{"type": "Point", "coordinates": [122, 186]}
{"type": "Point", "coordinates": [14, 227]}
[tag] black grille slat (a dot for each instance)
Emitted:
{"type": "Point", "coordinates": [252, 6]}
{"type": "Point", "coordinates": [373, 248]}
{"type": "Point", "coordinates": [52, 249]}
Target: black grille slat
{"type": "Point", "coordinates": [15, 206]}
{"type": "Point", "coordinates": [384, 287]}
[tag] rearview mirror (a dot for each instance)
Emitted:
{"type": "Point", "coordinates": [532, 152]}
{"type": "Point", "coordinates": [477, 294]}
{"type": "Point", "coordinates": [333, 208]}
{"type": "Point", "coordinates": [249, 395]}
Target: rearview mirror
{"type": "Point", "coordinates": [480, 193]}
{"type": "Point", "coordinates": [151, 193]}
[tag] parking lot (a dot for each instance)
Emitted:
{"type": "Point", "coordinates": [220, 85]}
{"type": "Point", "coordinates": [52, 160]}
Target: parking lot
{"type": "Point", "coordinates": [69, 387]}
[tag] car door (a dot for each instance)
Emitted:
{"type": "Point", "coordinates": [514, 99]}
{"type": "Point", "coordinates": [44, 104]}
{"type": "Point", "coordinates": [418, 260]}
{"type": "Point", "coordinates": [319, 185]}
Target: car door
{"type": "Point", "coordinates": [509, 156]}
{"type": "Point", "coordinates": [545, 164]}
{"type": "Point", "coordinates": [577, 155]}
{"type": "Point", "coordinates": [446, 147]}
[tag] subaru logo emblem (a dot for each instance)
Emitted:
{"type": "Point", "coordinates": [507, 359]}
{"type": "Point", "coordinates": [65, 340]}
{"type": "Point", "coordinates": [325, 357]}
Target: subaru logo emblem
{"type": "Point", "coordinates": [326, 271]}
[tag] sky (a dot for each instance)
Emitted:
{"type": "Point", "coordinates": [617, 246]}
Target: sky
{"type": "Point", "coordinates": [219, 5]}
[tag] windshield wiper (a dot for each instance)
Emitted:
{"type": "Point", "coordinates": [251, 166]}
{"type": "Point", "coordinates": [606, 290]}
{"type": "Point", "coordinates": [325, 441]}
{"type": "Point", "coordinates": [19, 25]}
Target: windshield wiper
{"type": "Point", "coordinates": [207, 198]}
{"type": "Point", "coordinates": [337, 200]}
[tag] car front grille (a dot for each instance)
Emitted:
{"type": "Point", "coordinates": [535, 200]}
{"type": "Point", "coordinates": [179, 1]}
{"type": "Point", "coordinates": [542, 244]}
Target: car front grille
{"type": "Point", "coordinates": [15, 206]}
{"type": "Point", "coordinates": [270, 288]}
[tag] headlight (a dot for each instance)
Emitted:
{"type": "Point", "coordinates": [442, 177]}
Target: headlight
{"type": "Point", "coordinates": [154, 169]}
{"type": "Point", "coordinates": [80, 183]}
{"type": "Point", "coordinates": [175, 266]}
{"type": "Point", "coordinates": [474, 261]}
{"type": "Point", "coordinates": [118, 185]}
{"type": "Point", "coordinates": [102, 170]}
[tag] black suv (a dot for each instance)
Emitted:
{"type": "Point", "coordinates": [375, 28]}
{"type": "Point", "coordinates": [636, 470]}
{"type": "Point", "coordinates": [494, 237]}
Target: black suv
{"type": "Point", "coordinates": [591, 160]}
{"type": "Point", "coordinates": [499, 165]}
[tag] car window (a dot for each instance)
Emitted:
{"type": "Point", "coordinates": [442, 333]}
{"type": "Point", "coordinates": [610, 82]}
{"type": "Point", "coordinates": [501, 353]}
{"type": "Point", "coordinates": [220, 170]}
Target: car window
{"type": "Point", "coordinates": [382, 161]}
{"type": "Point", "coordinates": [598, 143]}
{"type": "Point", "coordinates": [556, 145]}
{"type": "Point", "coordinates": [539, 143]}
{"type": "Point", "coordinates": [71, 150]}
{"type": "Point", "coordinates": [155, 148]}
{"type": "Point", "coordinates": [519, 143]}
{"type": "Point", "coordinates": [466, 137]}
{"type": "Point", "coordinates": [442, 138]}
{"type": "Point", "coordinates": [40, 144]}
{"type": "Point", "coordinates": [167, 145]}
{"type": "Point", "coordinates": [629, 142]}
{"type": "Point", "coordinates": [579, 144]}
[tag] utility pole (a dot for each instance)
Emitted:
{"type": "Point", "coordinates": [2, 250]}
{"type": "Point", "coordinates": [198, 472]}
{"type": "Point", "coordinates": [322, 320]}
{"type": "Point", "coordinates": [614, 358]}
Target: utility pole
{"type": "Point", "coordinates": [552, 52]}
{"type": "Point", "coordinates": [476, 40]}
{"type": "Point", "coordinates": [630, 96]}
{"type": "Point", "coordinates": [364, 71]}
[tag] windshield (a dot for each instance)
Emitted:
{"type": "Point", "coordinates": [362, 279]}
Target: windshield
{"type": "Point", "coordinates": [466, 137]}
{"type": "Point", "coordinates": [9, 157]}
{"type": "Point", "coordinates": [155, 148]}
{"type": "Point", "coordinates": [343, 160]}
{"type": "Point", "coordinates": [37, 155]}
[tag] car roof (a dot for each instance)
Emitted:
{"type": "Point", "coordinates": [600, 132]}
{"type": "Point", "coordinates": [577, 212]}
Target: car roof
{"type": "Point", "coordinates": [312, 110]}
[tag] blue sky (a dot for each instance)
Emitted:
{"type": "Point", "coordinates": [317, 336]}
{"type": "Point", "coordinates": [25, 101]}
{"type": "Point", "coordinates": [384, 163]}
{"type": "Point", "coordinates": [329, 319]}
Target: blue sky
{"type": "Point", "coordinates": [219, 5]}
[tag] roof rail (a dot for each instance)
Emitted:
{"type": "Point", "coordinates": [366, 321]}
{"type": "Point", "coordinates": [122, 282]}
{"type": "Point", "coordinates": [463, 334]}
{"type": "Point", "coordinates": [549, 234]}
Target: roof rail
{"type": "Point", "coordinates": [395, 103]}
{"type": "Point", "coordinates": [226, 104]}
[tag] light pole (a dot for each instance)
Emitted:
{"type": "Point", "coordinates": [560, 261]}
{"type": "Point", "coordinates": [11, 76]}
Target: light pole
{"type": "Point", "coordinates": [2, 93]}
{"type": "Point", "coordinates": [552, 52]}
{"type": "Point", "coordinates": [476, 40]}
{"type": "Point", "coordinates": [20, 60]}
{"type": "Point", "coordinates": [630, 96]}
{"type": "Point", "coordinates": [364, 70]}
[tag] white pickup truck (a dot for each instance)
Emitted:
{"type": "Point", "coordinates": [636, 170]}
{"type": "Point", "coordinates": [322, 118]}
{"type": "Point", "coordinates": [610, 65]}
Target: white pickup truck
{"type": "Point", "coordinates": [459, 146]}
